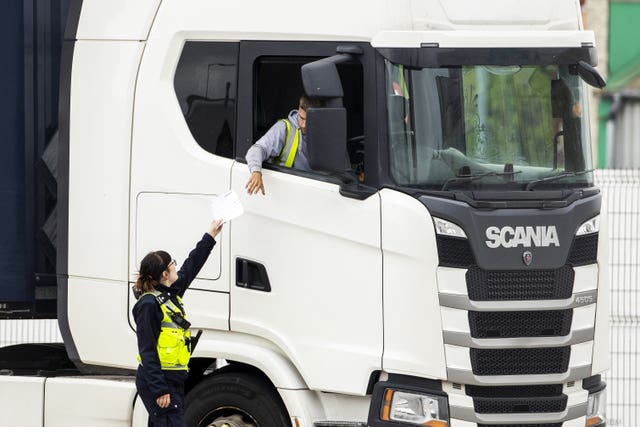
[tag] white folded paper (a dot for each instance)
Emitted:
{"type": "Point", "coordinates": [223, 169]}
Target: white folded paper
{"type": "Point", "coordinates": [226, 206]}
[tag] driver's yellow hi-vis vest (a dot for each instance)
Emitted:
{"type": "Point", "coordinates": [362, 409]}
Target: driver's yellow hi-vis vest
{"type": "Point", "coordinates": [173, 342]}
{"type": "Point", "coordinates": [290, 148]}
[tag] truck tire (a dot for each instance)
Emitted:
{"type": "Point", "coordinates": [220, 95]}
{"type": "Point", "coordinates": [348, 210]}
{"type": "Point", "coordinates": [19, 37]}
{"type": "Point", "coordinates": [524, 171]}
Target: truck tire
{"type": "Point", "coordinates": [235, 399]}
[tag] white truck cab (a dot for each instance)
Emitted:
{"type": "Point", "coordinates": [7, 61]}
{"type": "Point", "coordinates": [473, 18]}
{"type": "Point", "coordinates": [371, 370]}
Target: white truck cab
{"type": "Point", "coordinates": [440, 265]}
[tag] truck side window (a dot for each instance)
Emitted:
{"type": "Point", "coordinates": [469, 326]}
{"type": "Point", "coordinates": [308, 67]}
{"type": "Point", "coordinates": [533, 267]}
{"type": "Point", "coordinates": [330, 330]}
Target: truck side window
{"type": "Point", "coordinates": [206, 87]}
{"type": "Point", "coordinates": [279, 86]}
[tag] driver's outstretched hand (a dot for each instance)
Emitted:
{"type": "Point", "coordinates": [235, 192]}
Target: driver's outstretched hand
{"type": "Point", "coordinates": [255, 183]}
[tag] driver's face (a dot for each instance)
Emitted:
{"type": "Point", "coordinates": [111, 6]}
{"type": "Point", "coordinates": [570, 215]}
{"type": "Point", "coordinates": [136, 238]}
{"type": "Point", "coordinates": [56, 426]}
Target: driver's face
{"type": "Point", "coordinates": [302, 120]}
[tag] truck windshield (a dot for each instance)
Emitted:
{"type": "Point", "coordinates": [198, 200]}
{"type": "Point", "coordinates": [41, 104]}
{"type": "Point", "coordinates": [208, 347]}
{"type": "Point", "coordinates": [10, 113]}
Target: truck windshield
{"type": "Point", "coordinates": [487, 127]}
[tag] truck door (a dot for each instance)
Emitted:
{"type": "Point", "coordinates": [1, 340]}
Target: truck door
{"type": "Point", "coordinates": [305, 260]}
{"type": "Point", "coordinates": [183, 130]}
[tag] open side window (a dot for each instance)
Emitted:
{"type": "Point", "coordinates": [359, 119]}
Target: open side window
{"type": "Point", "coordinates": [274, 69]}
{"type": "Point", "coordinates": [279, 86]}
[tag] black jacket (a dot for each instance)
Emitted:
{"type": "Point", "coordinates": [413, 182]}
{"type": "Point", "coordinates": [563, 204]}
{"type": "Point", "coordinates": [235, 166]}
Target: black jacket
{"type": "Point", "coordinates": [148, 317]}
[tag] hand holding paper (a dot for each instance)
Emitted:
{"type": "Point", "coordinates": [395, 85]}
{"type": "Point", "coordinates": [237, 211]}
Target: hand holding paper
{"type": "Point", "coordinates": [215, 228]}
{"type": "Point", "coordinates": [226, 206]}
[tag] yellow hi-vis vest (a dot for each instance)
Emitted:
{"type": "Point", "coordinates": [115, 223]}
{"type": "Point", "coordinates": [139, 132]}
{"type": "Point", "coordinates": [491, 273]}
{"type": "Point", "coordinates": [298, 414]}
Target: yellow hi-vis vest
{"type": "Point", "coordinates": [288, 152]}
{"type": "Point", "coordinates": [173, 343]}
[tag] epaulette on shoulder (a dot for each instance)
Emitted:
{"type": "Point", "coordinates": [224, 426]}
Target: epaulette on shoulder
{"type": "Point", "coordinates": [163, 297]}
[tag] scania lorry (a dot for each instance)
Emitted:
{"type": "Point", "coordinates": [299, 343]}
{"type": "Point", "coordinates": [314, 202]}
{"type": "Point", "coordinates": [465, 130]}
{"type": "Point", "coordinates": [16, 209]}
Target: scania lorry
{"type": "Point", "coordinates": [443, 264]}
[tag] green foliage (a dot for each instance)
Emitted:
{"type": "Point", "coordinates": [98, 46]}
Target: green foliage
{"type": "Point", "coordinates": [508, 115]}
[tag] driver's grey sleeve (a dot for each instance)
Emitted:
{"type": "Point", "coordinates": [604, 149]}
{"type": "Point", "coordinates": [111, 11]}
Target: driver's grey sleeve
{"type": "Point", "coordinates": [266, 147]}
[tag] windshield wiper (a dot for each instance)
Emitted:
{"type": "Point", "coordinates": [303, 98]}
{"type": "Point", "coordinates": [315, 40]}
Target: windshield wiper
{"type": "Point", "coordinates": [555, 177]}
{"type": "Point", "coordinates": [469, 178]}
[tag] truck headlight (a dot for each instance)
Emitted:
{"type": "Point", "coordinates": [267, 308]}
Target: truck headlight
{"type": "Point", "coordinates": [596, 409]}
{"type": "Point", "coordinates": [589, 227]}
{"type": "Point", "coordinates": [447, 228]}
{"type": "Point", "coordinates": [415, 408]}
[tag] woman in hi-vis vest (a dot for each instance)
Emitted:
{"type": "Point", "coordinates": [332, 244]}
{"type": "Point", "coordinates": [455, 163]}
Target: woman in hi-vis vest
{"type": "Point", "coordinates": [164, 340]}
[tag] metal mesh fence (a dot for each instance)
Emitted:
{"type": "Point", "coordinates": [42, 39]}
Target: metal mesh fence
{"type": "Point", "coordinates": [621, 197]}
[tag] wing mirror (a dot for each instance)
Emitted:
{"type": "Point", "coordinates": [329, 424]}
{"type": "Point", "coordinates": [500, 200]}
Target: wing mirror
{"type": "Point", "coordinates": [327, 125]}
{"type": "Point", "coordinates": [590, 75]}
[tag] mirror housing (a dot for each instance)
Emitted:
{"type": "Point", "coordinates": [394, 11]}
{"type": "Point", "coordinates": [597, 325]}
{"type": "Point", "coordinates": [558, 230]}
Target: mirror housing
{"type": "Point", "coordinates": [326, 133]}
{"type": "Point", "coordinates": [590, 75]}
{"type": "Point", "coordinates": [321, 79]}
{"type": "Point", "coordinates": [326, 138]}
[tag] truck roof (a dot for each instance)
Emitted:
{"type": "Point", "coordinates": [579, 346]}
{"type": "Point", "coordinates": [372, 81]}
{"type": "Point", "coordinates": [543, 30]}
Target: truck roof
{"type": "Point", "coordinates": [352, 20]}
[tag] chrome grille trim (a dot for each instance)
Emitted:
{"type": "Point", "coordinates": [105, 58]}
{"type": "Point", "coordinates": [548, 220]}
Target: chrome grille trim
{"type": "Point", "coordinates": [464, 339]}
{"type": "Point", "coordinates": [467, 377]}
{"type": "Point", "coordinates": [463, 302]}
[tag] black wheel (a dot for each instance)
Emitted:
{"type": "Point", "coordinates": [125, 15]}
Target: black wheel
{"type": "Point", "coordinates": [235, 399]}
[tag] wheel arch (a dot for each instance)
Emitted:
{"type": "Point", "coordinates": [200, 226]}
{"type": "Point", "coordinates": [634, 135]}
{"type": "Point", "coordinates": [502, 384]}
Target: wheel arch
{"type": "Point", "coordinates": [251, 351]}
{"type": "Point", "coordinates": [263, 359]}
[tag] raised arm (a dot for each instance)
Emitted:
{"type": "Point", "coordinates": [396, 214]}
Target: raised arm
{"type": "Point", "coordinates": [196, 259]}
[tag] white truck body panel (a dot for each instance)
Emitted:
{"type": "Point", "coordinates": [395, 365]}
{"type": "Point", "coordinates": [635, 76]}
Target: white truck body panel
{"type": "Point", "coordinates": [478, 38]}
{"type": "Point", "coordinates": [22, 401]}
{"type": "Point", "coordinates": [109, 341]}
{"type": "Point", "coordinates": [173, 174]}
{"type": "Point", "coordinates": [162, 211]}
{"type": "Point", "coordinates": [505, 14]}
{"type": "Point", "coordinates": [306, 406]}
{"type": "Point", "coordinates": [100, 123]}
{"type": "Point", "coordinates": [65, 401]}
{"type": "Point", "coordinates": [275, 20]}
{"type": "Point", "coordinates": [411, 342]}
{"type": "Point", "coordinates": [310, 315]}
{"type": "Point", "coordinates": [85, 401]}
{"type": "Point", "coordinates": [116, 19]}
{"type": "Point", "coordinates": [252, 350]}
{"type": "Point", "coordinates": [204, 19]}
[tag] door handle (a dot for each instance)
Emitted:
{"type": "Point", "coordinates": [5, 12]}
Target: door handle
{"type": "Point", "coordinates": [252, 275]}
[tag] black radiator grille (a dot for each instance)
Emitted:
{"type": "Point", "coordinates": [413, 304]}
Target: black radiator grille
{"type": "Point", "coordinates": [528, 405]}
{"type": "Point", "coordinates": [584, 250]}
{"type": "Point", "coordinates": [543, 390]}
{"type": "Point", "coordinates": [454, 252]}
{"type": "Point", "coordinates": [520, 361]}
{"type": "Point", "coordinates": [555, 323]}
{"type": "Point", "coordinates": [517, 399]}
{"type": "Point", "coordinates": [484, 285]}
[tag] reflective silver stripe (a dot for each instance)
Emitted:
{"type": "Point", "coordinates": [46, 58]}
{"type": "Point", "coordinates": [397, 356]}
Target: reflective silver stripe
{"type": "Point", "coordinates": [170, 325]}
{"type": "Point", "coordinates": [469, 414]}
{"type": "Point", "coordinates": [463, 302]}
{"type": "Point", "coordinates": [464, 376]}
{"type": "Point", "coordinates": [170, 368]}
{"type": "Point", "coordinates": [167, 303]}
{"type": "Point", "coordinates": [172, 306]}
{"type": "Point", "coordinates": [174, 368]}
{"type": "Point", "coordinates": [464, 339]}
{"type": "Point", "coordinates": [154, 293]}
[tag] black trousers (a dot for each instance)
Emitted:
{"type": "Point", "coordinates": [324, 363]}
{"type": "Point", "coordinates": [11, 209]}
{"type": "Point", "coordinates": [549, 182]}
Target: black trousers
{"type": "Point", "coordinates": [171, 416]}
